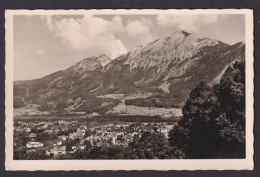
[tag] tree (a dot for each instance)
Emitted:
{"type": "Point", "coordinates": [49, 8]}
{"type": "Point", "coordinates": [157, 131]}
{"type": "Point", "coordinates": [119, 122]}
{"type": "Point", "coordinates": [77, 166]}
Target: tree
{"type": "Point", "coordinates": [196, 133]}
{"type": "Point", "coordinates": [42, 137]}
{"type": "Point", "coordinates": [115, 152]}
{"type": "Point", "coordinates": [213, 122]}
{"type": "Point", "coordinates": [96, 153]}
{"type": "Point", "coordinates": [150, 146]}
{"type": "Point", "coordinates": [71, 142]}
{"type": "Point", "coordinates": [87, 144]}
{"type": "Point", "coordinates": [20, 154]}
{"type": "Point", "coordinates": [37, 154]}
{"type": "Point", "coordinates": [231, 122]}
{"type": "Point", "coordinates": [120, 138]}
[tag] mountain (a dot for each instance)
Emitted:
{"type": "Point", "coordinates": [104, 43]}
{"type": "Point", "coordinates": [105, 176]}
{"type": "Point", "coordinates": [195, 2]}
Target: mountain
{"type": "Point", "coordinates": [52, 88]}
{"type": "Point", "coordinates": [90, 64]}
{"type": "Point", "coordinates": [160, 74]}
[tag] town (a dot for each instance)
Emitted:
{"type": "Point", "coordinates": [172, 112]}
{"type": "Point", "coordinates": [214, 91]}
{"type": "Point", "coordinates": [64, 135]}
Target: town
{"type": "Point", "coordinates": [64, 137]}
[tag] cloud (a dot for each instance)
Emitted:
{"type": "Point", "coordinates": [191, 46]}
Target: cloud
{"type": "Point", "coordinates": [189, 23]}
{"type": "Point", "coordinates": [89, 33]}
{"type": "Point", "coordinates": [95, 35]}
{"type": "Point", "coordinates": [48, 23]}
{"type": "Point", "coordinates": [140, 30]}
{"type": "Point", "coordinates": [136, 27]}
{"type": "Point", "coordinates": [28, 52]}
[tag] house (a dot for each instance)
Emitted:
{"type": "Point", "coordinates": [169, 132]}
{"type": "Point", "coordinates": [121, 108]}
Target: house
{"type": "Point", "coordinates": [113, 140]}
{"type": "Point", "coordinates": [89, 138]}
{"type": "Point", "coordinates": [79, 134]}
{"type": "Point", "coordinates": [64, 129]}
{"type": "Point", "coordinates": [58, 150]}
{"type": "Point", "coordinates": [82, 127]}
{"type": "Point", "coordinates": [27, 129]}
{"type": "Point", "coordinates": [109, 129]}
{"type": "Point", "coordinates": [103, 128]}
{"type": "Point", "coordinates": [48, 153]}
{"type": "Point", "coordinates": [128, 138]}
{"type": "Point", "coordinates": [49, 131]}
{"type": "Point", "coordinates": [98, 129]}
{"type": "Point", "coordinates": [74, 122]}
{"type": "Point", "coordinates": [94, 114]}
{"type": "Point", "coordinates": [118, 128]}
{"type": "Point", "coordinates": [61, 122]}
{"type": "Point", "coordinates": [44, 126]}
{"type": "Point", "coordinates": [32, 136]}
{"type": "Point", "coordinates": [117, 142]}
{"type": "Point", "coordinates": [32, 144]}
{"type": "Point", "coordinates": [119, 134]}
{"type": "Point", "coordinates": [125, 144]}
{"type": "Point", "coordinates": [81, 147]}
{"type": "Point", "coordinates": [93, 139]}
{"type": "Point", "coordinates": [167, 114]}
{"type": "Point", "coordinates": [63, 137]}
{"type": "Point", "coordinates": [59, 143]}
{"type": "Point", "coordinates": [165, 132]}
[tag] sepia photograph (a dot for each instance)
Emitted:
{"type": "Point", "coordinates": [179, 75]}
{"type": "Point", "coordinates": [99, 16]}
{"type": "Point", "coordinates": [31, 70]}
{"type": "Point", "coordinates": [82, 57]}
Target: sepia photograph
{"type": "Point", "coordinates": [155, 89]}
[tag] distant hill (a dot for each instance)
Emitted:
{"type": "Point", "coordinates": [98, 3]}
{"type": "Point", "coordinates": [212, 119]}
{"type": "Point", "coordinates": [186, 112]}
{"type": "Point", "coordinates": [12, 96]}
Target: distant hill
{"type": "Point", "coordinates": [166, 70]}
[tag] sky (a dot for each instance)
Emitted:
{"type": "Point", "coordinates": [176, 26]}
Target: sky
{"type": "Point", "coordinates": [46, 44]}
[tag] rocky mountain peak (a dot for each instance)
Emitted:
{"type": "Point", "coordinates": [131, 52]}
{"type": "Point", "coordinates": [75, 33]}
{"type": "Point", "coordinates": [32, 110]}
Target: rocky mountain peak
{"type": "Point", "coordinates": [91, 63]}
{"type": "Point", "coordinates": [178, 46]}
{"type": "Point", "coordinates": [179, 33]}
{"type": "Point", "coordinates": [104, 60]}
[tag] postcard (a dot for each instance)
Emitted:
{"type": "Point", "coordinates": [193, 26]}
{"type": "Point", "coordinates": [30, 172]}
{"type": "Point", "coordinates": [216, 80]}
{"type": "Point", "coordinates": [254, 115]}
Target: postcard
{"type": "Point", "coordinates": [129, 89]}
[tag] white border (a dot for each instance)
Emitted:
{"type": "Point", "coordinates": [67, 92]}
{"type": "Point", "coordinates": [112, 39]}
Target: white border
{"type": "Point", "coordinates": [177, 164]}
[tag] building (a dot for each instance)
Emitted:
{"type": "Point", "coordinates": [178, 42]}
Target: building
{"type": "Point", "coordinates": [32, 144]}
{"type": "Point", "coordinates": [32, 135]}
{"type": "Point", "coordinates": [82, 127]}
{"type": "Point", "coordinates": [64, 129]}
{"type": "Point", "coordinates": [81, 147]}
{"type": "Point", "coordinates": [58, 150]}
{"type": "Point", "coordinates": [59, 143]}
{"type": "Point", "coordinates": [27, 129]}
{"type": "Point", "coordinates": [63, 137]}
{"type": "Point", "coordinates": [60, 122]}
{"type": "Point", "coordinates": [79, 134]}
{"type": "Point", "coordinates": [128, 138]}
{"type": "Point", "coordinates": [74, 122]}
{"type": "Point", "coordinates": [94, 114]}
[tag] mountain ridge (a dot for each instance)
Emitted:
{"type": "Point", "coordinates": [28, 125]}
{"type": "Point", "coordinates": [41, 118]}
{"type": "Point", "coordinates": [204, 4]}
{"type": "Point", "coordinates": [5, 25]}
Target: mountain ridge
{"type": "Point", "coordinates": [168, 68]}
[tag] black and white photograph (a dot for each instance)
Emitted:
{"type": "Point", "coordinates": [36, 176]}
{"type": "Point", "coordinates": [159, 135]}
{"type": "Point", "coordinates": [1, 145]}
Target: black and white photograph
{"type": "Point", "coordinates": [139, 87]}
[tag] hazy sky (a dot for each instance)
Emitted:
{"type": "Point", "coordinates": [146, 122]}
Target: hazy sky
{"type": "Point", "coordinates": [46, 44]}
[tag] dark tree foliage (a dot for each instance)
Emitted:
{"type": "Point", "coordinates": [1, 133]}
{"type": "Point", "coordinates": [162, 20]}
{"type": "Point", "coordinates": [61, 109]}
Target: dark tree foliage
{"type": "Point", "coordinates": [42, 137]}
{"type": "Point", "coordinates": [195, 131]}
{"type": "Point", "coordinates": [151, 145]}
{"type": "Point", "coordinates": [71, 142]}
{"type": "Point", "coordinates": [213, 122]}
{"type": "Point", "coordinates": [20, 154]}
{"type": "Point", "coordinates": [36, 154]}
{"type": "Point", "coordinates": [231, 122]}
